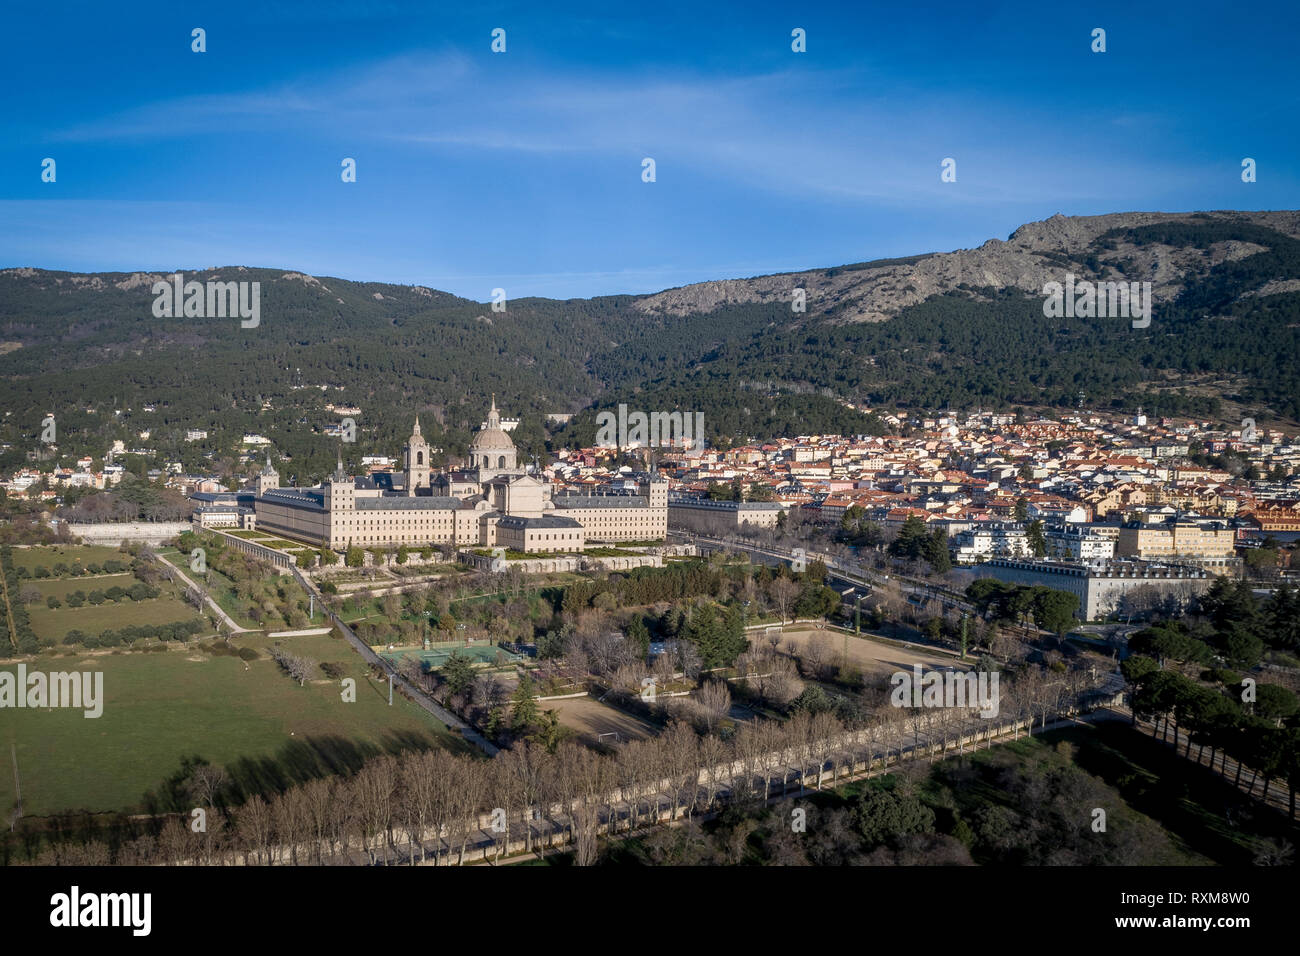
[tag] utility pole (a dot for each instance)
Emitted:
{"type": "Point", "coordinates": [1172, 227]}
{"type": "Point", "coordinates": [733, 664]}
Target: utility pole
{"type": "Point", "coordinates": [18, 790]}
{"type": "Point", "coordinates": [857, 616]}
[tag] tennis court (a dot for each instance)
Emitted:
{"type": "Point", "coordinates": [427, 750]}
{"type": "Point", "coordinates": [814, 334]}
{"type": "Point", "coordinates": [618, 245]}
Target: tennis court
{"type": "Point", "coordinates": [480, 652]}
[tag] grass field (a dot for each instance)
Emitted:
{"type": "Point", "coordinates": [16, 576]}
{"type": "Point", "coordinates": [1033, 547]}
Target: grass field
{"type": "Point", "coordinates": [48, 556]}
{"type": "Point", "coordinates": [160, 708]}
{"type": "Point", "coordinates": [62, 587]}
{"type": "Point", "coordinates": [91, 619]}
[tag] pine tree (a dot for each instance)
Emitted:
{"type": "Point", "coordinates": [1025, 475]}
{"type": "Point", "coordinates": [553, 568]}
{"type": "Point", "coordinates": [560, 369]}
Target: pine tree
{"type": "Point", "coordinates": [1035, 538]}
{"type": "Point", "coordinates": [524, 712]}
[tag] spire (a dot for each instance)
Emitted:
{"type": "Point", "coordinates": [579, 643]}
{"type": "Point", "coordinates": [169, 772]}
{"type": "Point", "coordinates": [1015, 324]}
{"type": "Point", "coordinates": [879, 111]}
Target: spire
{"type": "Point", "coordinates": [268, 471]}
{"type": "Point", "coordinates": [338, 471]}
{"type": "Point", "coordinates": [494, 419]}
{"type": "Point", "coordinates": [417, 426]}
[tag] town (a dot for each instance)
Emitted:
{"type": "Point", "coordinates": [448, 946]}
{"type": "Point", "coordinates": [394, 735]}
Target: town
{"type": "Point", "coordinates": [1153, 508]}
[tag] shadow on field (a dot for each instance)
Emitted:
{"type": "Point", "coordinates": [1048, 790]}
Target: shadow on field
{"type": "Point", "coordinates": [297, 762]}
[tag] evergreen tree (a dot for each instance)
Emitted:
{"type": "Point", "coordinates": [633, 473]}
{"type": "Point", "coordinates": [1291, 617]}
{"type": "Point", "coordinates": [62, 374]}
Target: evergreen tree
{"type": "Point", "coordinates": [912, 541]}
{"type": "Point", "coordinates": [1035, 538]}
{"type": "Point", "coordinates": [936, 552]}
{"type": "Point", "coordinates": [524, 712]}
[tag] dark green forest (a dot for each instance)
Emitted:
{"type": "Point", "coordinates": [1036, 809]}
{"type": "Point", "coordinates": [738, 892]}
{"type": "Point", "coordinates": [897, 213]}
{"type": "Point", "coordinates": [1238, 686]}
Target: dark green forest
{"type": "Point", "coordinates": [91, 353]}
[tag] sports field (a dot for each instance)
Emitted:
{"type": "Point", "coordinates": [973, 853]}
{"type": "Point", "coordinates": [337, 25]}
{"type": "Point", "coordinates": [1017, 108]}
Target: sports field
{"type": "Point", "coordinates": [591, 718]}
{"type": "Point", "coordinates": [438, 654]}
{"type": "Point", "coordinates": [870, 654]}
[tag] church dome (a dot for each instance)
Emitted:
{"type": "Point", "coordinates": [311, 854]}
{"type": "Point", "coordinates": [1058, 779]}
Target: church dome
{"type": "Point", "coordinates": [491, 439]}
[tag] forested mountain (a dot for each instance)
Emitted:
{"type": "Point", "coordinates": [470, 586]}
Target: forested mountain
{"type": "Point", "coordinates": [957, 330]}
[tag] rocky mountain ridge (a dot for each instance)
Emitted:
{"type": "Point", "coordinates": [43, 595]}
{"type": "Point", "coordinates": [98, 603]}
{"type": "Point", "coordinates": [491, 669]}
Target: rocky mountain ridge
{"type": "Point", "coordinates": [1036, 253]}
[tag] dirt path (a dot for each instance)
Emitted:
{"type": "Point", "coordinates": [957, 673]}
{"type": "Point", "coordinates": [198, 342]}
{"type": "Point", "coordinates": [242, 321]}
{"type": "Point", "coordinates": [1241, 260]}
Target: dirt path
{"type": "Point", "coordinates": [9, 611]}
{"type": "Point", "coordinates": [230, 621]}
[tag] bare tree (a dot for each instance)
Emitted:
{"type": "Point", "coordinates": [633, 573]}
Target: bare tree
{"type": "Point", "coordinates": [525, 762]}
{"type": "Point", "coordinates": [783, 684]}
{"type": "Point", "coordinates": [817, 654]}
{"type": "Point", "coordinates": [254, 828]}
{"type": "Point", "coordinates": [298, 667]}
{"type": "Point", "coordinates": [175, 843]}
{"type": "Point", "coordinates": [783, 592]}
{"type": "Point", "coordinates": [207, 783]}
{"type": "Point", "coordinates": [417, 786]}
{"type": "Point", "coordinates": [472, 779]}
{"type": "Point", "coordinates": [291, 819]}
{"type": "Point", "coordinates": [321, 799]}
{"type": "Point", "coordinates": [714, 700]}
{"type": "Point", "coordinates": [374, 788]}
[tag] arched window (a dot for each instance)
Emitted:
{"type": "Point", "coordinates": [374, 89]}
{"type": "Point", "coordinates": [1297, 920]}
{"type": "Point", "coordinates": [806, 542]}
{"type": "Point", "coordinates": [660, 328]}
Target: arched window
{"type": "Point", "coordinates": [419, 458]}
{"type": "Point", "coordinates": [501, 462]}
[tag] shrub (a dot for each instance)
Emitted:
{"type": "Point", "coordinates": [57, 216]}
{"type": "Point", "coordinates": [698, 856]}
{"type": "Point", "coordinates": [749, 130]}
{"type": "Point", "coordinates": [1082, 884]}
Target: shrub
{"type": "Point", "coordinates": [248, 654]}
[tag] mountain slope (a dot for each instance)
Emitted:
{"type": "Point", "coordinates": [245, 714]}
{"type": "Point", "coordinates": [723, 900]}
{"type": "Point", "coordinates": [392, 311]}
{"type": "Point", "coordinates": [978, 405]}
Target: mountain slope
{"type": "Point", "coordinates": [955, 329]}
{"type": "Point", "coordinates": [1033, 255]}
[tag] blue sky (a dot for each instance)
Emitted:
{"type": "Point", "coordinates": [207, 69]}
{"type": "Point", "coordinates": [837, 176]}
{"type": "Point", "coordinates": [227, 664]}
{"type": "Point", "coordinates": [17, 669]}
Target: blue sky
{"type": "Point", "coordinates": [523, 170]}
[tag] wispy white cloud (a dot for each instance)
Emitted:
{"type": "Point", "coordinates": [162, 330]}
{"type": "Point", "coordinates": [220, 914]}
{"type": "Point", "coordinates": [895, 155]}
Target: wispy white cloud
{"type": "Point", "coordinates": [829, 136]}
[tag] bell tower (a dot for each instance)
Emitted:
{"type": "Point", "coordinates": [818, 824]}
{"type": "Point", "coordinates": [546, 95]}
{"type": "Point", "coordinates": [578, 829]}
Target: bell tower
{"type": "Point", "coordinates": [415, 461]}
{"type": "Point", "coordinates": [268, 479]}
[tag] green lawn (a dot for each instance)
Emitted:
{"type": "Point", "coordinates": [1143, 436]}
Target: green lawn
{"type": "Point", "coordinates": [160, 708]}
{"type": "Point", "coordinates": [49, 555]}
{"type": "Point", "coordinates": [91, 619]}
{"type": "Point", "coordinates": [62, 587]}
